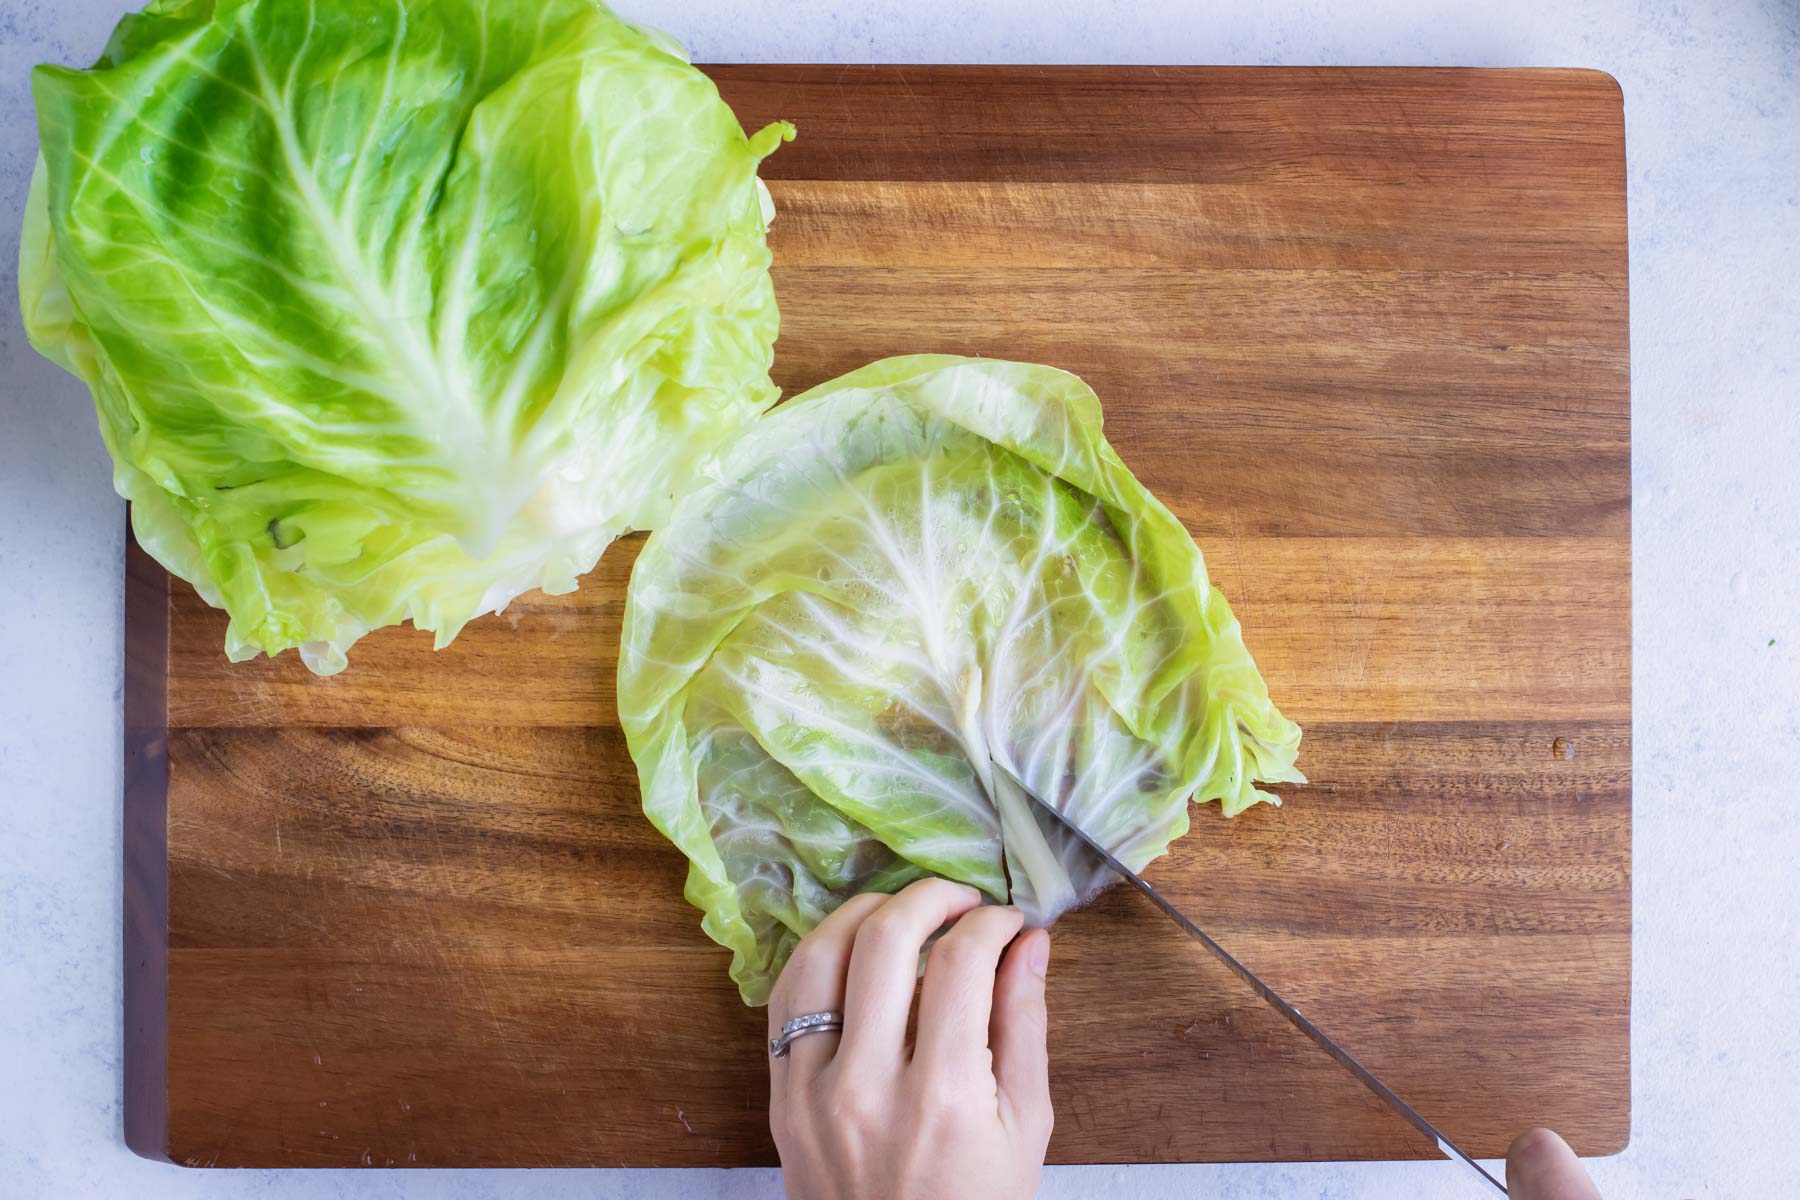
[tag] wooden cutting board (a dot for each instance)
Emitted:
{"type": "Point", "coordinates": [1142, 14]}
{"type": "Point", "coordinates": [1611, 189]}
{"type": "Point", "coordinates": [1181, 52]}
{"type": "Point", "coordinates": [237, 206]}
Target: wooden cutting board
{"type": "Point", "coordinates": [1364, 331]}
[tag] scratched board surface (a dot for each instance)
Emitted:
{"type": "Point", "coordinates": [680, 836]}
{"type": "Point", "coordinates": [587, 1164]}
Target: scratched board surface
{"type": "Point", "coordinates": [1364, 331]}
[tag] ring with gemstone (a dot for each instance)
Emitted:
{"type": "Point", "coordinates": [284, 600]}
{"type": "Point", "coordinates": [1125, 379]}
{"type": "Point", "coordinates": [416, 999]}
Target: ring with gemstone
{"type": "Point", "coordinates": [799, 1027]}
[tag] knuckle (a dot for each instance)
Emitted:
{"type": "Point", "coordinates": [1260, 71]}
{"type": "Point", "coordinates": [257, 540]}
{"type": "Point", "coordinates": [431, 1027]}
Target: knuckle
{"type": "Point", "coordinates": [884, 930]}
{"type": "Point", "coordinates": [937, 1097]}
{"type": "Point", "coordinates": [852, 1106]}
{"type": "Point", "coordinates": [1033, 1114]}
{"type": "Point", "coordinates": [926, 887]}
{"type": "Point", "coordinates": [937, 1104]}
{"type": "Point", "coordinates": [987, 926]}
{"type": "Point", "coordinates": [999, 916]}
{"type": "Point", "coordinates": [862, 903]}
{"type": "Point", "coordinates": [1030, 1016]}
{"type": "Point", "coordinates": [801, 962]}
{"type": "Point", "coordinates": [939, 890]}
{"type": "Point", "coordinates": [956, 955]}
{"type": "Point", "coordinates": [959, 979]}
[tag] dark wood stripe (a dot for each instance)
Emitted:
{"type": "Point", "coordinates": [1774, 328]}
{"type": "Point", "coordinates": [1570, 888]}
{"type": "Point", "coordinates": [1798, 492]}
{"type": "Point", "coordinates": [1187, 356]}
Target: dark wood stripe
{"type": "Point", "coordinates": [533, 835]}
{"type": "Point", "coordinates": [1186, 124]}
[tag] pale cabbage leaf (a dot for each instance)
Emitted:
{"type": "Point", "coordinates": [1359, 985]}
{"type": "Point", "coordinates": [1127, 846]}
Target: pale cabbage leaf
{"type": "Point", "coordinates": [395, 309]}
{"type": "Point", "coordinates": [914, 593]}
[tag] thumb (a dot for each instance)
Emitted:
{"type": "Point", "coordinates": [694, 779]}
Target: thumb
{"type": "Point", "coordinates": [1017, 1035]}
{"type": "Point", "coordinates": [1540, 1166]}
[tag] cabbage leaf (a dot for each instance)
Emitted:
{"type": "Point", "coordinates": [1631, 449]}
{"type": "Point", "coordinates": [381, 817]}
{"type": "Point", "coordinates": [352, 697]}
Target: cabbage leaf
{"type": "Point", "coordinates": [914, 596]}
{"type": "Point", "coordinates": [395, 309]}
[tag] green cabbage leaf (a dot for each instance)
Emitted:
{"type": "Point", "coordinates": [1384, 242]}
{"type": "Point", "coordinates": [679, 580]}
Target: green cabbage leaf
{"type": "Point", "coordinates": [395, 309]}
{"type": "Point", "coordinates": [914, 597]}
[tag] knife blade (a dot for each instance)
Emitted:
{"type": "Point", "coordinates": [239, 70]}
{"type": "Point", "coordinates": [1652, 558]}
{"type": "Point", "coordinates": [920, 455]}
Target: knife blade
{"type": "Point", "coordinates": [1275, 1000]}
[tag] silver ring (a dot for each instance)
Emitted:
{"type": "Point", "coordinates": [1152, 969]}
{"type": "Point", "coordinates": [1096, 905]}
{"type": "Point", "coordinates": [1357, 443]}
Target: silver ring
{"type": "Point", "coordinates": [799, 1027]}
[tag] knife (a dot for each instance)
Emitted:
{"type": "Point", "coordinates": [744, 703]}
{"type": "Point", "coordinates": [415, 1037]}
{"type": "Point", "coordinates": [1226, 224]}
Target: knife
{"type": "Point", "coordinates": [1368, 1078]}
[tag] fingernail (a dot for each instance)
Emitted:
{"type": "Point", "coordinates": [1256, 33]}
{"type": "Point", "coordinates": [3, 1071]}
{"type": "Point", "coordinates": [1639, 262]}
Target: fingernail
{"type": "Point", "coordinates": [1038, 956]}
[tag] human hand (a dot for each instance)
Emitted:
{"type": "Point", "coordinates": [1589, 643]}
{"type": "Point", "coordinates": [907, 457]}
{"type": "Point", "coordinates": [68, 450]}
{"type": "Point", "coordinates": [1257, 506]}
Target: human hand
{"type": "Point", "coordinates": [962, 1111]}
{"type": "Point", "coordinates": [1540, 1166]}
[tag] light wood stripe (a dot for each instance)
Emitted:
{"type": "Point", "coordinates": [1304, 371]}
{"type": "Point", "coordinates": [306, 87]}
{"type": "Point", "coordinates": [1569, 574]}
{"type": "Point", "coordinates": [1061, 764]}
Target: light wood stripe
{"type": "Point", "coordinates": [1219, 226]}
{"type": "Point", "coordinates": [1344, 629]}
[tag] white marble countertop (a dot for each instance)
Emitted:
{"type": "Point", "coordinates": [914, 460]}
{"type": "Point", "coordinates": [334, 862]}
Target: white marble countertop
{"type": "Point", "coordinates": [1712, 103]}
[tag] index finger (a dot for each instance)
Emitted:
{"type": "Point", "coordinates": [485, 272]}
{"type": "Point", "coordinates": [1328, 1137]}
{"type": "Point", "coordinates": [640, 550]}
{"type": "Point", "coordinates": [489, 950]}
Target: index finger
{"type": "Point", "coordinates": [884, 968]}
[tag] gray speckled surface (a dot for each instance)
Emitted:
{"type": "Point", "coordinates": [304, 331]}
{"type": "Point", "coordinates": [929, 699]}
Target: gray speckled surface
{"type": "Point", "coordinates": [1712, 100]}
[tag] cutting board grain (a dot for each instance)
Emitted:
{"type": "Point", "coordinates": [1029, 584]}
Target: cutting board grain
{"type": "Point", "coordinates": [1364, 331]}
